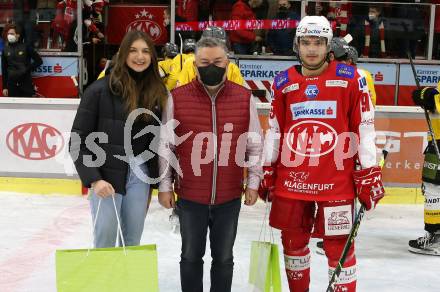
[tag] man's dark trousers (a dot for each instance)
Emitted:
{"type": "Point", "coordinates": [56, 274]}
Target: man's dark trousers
{"type": "Point", "coordinates": [195, 219]}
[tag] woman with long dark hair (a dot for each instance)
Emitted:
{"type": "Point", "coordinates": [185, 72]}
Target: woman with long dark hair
{"type": "Point", "coordinates": [110, 153]}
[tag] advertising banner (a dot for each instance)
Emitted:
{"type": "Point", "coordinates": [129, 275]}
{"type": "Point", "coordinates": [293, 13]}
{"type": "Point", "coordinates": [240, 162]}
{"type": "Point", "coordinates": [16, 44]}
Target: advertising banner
{"type": "Point", "coordinates": [428, 75]}
{"type": "Point", "coordinates": [384, 77]}
{"type": "Point", "coordinates": [56, 77]}
{"type": "Point", "coordinates": [407, 135]}
{"type": "Point", "coordinates": [259, 74]}
{"type": "Point", "coordinates": [34, 138]}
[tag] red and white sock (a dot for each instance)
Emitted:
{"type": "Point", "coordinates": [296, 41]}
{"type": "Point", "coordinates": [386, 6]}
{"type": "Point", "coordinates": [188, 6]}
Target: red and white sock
{"type": "Point", "coordinates": [297, 265]}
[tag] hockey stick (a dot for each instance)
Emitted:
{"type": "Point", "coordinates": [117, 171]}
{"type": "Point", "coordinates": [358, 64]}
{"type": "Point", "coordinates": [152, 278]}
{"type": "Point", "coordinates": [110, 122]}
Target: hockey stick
{"type": "Point", "coordinates": [181, 51]}
{"type": "Point", "coordinates": [354, 229]}
{"type": "Point", "coordinates": [427, 117]}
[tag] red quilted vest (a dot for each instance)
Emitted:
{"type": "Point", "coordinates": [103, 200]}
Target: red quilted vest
{"type": "Point", "coordinates": [211, 174]}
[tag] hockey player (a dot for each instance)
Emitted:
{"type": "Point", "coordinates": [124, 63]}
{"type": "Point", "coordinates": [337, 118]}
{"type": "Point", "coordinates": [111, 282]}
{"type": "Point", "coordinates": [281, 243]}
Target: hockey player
{"type": "Point", "coordinates": [189, 45]}
{"type": "Point", "coordinates": [188, 72]}
{"type": "Point", "coordinates": [429, 98]}
{"type": "Point", "coordinates": [169, 51]}
{"type": "Point", "coordinates": [341, 51]}
{"type": "Point", "coordinates": [321, 124]}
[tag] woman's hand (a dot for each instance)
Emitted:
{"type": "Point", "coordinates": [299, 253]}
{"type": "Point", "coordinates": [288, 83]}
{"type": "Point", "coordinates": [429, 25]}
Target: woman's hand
{"type": "Point", "coordinates": [103, 188]}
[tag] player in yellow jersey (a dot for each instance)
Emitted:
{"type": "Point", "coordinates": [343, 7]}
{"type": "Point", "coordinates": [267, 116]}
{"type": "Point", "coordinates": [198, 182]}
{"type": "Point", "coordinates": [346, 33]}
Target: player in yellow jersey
{"type": "Point", "coordinates": [429, 98]}
{"type": "Point", "coordinates": [189, 73]}
{"type": "Point", "coordinates": [169, 51]}
{"type": "Point", "coordinates": [189, 45]}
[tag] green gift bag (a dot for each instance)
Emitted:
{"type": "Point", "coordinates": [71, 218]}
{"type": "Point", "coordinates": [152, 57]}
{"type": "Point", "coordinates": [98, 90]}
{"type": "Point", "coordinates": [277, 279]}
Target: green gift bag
{"type": "Point", "coordinates": [264, 268]}
{"type": "Point", "coordinates": [107, 269]}
{"type": "Point", "coordinates": [264, 271]}
{"type": "Point", "coordinates": [114, 269]}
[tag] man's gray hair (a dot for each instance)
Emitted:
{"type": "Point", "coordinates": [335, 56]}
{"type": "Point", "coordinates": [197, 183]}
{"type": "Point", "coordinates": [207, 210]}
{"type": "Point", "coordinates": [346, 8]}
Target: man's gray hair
{"type": "Point", "coordinates": [210, 42]}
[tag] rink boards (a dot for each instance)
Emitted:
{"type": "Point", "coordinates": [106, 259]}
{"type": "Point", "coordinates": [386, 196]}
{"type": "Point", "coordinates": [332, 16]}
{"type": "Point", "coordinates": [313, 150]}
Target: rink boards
{"type": "Point", "coordinates": [35, 135]}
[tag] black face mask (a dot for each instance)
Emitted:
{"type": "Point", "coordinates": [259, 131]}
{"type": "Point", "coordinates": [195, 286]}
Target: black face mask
{"type": "Point", "coordinates": [211, 75]}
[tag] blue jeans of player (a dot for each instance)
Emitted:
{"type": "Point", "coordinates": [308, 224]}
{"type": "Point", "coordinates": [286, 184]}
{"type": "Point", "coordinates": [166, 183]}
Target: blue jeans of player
{"type": "Point", "coordinates": [195, 219]}
{"type": "Point", "coordinates": [132, 210]}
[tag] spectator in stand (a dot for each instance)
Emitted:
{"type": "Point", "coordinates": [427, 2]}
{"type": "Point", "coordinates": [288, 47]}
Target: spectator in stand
{"type": "Point", "coordinates": [318, 8]}
{"type": "Point", "coordinates": [25, 16]}
{"type": "Point", "coordinates": [260, 8]}
{"type": "Point", "coordinates": [374, 30]}
{"type": "Point", "coordinates": [242, 39]}
{"type": "Point", "coordinates": [187, 11]}
{"type": "Point", "coordinates": [64, 23]}
{"type": "Point", "coordinates": [167, 21]}
{"type": "Point", "coordinates": [412, 29]}
{"type": "Point", "coordinates": [2, 43]}
{"type": "Point", "coordinates": [18, 61]}
{"type": "Point", "coordinates": [340, 11]}
{"type": "Point", "coordinates": [280, 40]}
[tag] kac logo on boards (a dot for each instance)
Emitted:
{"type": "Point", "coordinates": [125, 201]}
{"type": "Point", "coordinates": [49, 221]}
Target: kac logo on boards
{"type": "Point", "coordinates": [35, 141]}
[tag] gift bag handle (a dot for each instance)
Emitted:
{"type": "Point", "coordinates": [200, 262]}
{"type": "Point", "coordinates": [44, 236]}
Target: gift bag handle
{"type": "Point", "coordinates": [263, 231]}
{"type": "Point", "coordinates": [119, 231]}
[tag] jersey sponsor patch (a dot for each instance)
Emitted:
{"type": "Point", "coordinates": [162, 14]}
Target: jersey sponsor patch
{"type": "Point", "coordinates": [336, 83]}
{"type": "Point", "coordinates": [362, 83]}
{"type": "Point", "coordinates": [316, 109]}
{"type": "Point", "coordinates": [291, 87]}
{"type": "Point", "coordinates": [337, 220]}
{"type": "Point", "coordinates": [281, 79]}
{"type": "Point", "coordinates": [311, 91]}
{"type": "Point", "coordinates": [343, 70]}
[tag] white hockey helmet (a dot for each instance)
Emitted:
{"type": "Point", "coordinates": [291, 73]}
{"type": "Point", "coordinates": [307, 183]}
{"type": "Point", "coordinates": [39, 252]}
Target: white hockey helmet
{"type": "Point", "coordinates": [313, 26]}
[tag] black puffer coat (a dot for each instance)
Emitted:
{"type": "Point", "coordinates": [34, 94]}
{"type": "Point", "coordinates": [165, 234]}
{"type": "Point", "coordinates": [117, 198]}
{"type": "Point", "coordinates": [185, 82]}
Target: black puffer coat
{"type": "Point", "coordinates": [102, 111]}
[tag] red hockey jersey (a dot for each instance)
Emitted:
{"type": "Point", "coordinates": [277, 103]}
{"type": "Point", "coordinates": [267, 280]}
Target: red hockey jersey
{"type": "Point", "coordinates": [319, 127]}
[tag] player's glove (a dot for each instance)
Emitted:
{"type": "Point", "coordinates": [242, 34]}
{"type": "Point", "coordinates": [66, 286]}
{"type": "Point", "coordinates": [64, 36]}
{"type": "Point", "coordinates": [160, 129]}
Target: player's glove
{"type": "Point", "coordinates": [267, 185]}
{"type": "Point", "coordinates": [425, 97]}
{"type": "Point", "coordinates": [369, 187]}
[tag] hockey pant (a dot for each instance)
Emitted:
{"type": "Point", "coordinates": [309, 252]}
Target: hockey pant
{"type": "Point", "coordinates": [332, 221]}
{"type": "Point", "coordinates": [432, 207]}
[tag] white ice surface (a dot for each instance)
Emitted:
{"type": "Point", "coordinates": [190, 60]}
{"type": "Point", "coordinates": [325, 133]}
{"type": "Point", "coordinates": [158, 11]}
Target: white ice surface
{"type": "Point", "coordinates": [32, 227]}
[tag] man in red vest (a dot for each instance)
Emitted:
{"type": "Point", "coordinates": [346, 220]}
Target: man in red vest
{"type": "Point", "coordinates": [211, 126]}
